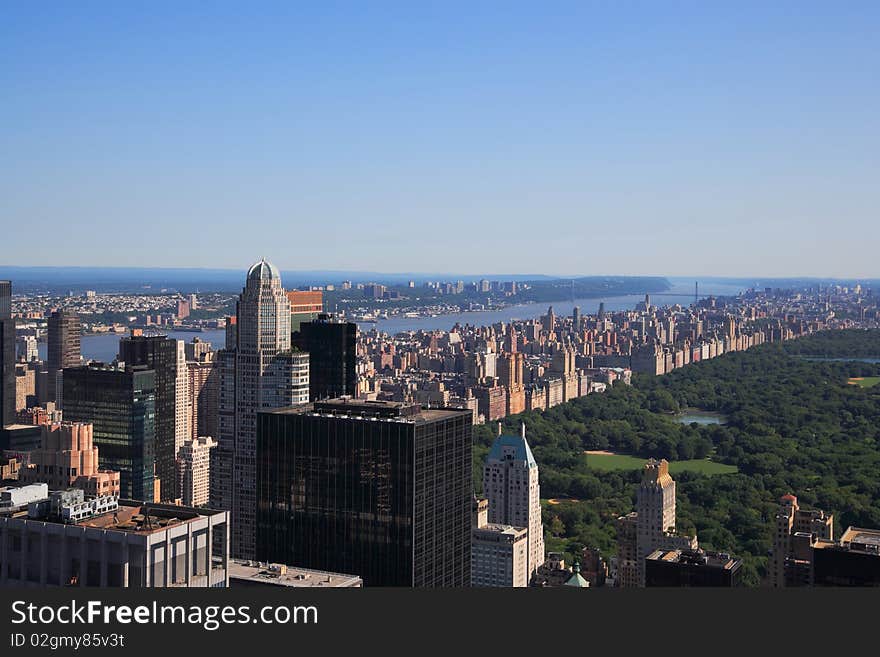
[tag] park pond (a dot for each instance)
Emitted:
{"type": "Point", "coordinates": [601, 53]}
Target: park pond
{"type": "Point", "coordinates": [691, 415]}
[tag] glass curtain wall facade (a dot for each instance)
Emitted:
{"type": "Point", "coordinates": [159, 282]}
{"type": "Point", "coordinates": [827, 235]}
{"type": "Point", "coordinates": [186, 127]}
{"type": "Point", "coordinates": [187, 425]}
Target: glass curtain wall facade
{"type": "Point", "coordinates": [332, 349]}
{"type": "Point", "coordinates": [7, 356]}
{"type": "Point", "coordinates": [121, 406]}
{"type": "Point", "coordinates": [382, 495]}
{"type": "Point", "coordinates": [159, 354]}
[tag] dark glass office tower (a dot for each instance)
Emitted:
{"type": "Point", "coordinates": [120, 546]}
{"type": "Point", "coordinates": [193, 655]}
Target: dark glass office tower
{"type": "Point", "coordinates": [159, 354]}
{"type": "Point", "coordinates": [331, 345]}
{"type": "Point", "coordinates": [378, 489]}
{"type": "Point", "coordinates": [121, 406]}
{"type": "Point", "coordinates": [691, 568]}
{"type": "Point", "coordinates": [853, 560]}
{"type": "Point", "coordinates": [5, 299]}
{"type": "Point", "coordinates": [64, 332]}
{"type": "Point", "coordinates": [7, 356]}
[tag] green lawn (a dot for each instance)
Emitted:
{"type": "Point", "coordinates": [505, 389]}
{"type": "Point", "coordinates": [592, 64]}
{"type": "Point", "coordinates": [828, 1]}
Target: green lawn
{"type": "Point", "coordinates": [624, 462]}
{"type": "Point", "coordinates": [866, 382]}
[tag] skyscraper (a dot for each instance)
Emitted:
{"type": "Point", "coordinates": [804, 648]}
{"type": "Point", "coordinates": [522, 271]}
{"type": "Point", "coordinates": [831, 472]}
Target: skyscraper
{"type": "Point", "coordinates": [202, 389]}
{"type": "Point", "coordinates": [159, 353]}
{"type": "Point", "coordinates": [655, 505]}
{"type": "Point", "coordinates": [650, 527]}
{"type": "Point", "coordinates": [121, 404]}
{"type": "Point", "coordinates": [549, 320]}
{"type": "Point", "coordinates": [268, 374]}
{"type": "Point", "coordinates": [183, 410]}
{"type": "Point", "coordinates": [332, 348]}
{"type": "Point", "coordinates": [7, 355]}
{"type": "Point", "coordinates": [5, 299]}
{"type": "Point", "coordinates": [510, 483]}
{"type": "Point", "coordinates": [796, 531]}
{"type": "Point", "coordinates": [194, 470]}
{"type": "Point", "coordinates": [223, 455]}
{"type": "Point", "coordinates": [64, 331]}
{"type": "Point", "coordinates": [380, 489]}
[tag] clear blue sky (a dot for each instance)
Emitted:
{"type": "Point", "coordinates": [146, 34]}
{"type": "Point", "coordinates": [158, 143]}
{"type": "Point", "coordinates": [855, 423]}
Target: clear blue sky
{"type": "Point", "coordinates": [679, 138]}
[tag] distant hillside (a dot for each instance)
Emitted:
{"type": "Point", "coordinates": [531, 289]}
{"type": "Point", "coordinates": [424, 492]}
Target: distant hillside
{"type": "Point", "coordinates": [154, 280]}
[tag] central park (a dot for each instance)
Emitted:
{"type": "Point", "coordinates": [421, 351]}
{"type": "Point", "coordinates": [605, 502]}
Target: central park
{"type": "Point", "coordinates": [791, 424]}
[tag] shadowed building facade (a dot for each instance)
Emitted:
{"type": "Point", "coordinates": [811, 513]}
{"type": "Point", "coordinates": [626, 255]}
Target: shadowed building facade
{"type": "Point", "coordinates": [691, 568]}
{"type": "Point", "coordinates": [121, 406]}
{"type": "Point", "coordinates": [159, 354]}
{"type": "Point", "coordinates": [854, 560]}
{"type": "Point", "coordinates": [379, 489]}
{"type": "Point", "coordinates": [332, 348]}
{"type": "Point", "coordinates": [63, 349]}
{"type": "Point", "coordinates": [7, 356]}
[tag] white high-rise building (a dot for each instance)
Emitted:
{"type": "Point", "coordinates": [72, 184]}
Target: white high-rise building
{"type": "Point", "coordinates": [194, 470]}
{"type": "Point", "coordinates": [510, 483]}
{"type": "Point", "coordinates": [267, 375]}
{"type": "Point", "coordinates": [182, 403]}
{"type": "Point", "coordinates": [499, 553]}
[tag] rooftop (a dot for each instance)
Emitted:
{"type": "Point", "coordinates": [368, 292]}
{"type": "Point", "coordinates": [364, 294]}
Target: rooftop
{"type": "Point", "coordinates": [695, 558]}
{"type": "Point", "coordinates": [143, 518]}
{"type": "Point", "coordinates": [516, 447]}
{"type": "Point", "coordinates": [129, 516]}
{"type": "Point", "coordinates": [506, 530]}
{"type": "Point", "coordinates": [255, 572]}
{"type": "Point", "coordinates": [854, 539]}
{"type": "Point", "coordinates": [263, 271]}
{"type": "Point", "coordinates": [577, 580]}
{"type": "Point", "coordinates": [371, 410]}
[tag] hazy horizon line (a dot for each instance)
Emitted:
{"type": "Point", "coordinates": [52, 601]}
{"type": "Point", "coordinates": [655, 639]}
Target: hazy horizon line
{"type": "Point", "coordinates": [434, 274]}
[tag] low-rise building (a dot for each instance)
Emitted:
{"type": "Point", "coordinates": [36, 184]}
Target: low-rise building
{"type": "Point", "coordinates": [67, 458]}
{"type": "Point", "coordinates": [691, 568]}
{"type": "Point", "coordinates": [112, 543]}
{"type": "Point", "coordinates": [554, 572]}
{"type": "Point", "coordinates": [854, 560]}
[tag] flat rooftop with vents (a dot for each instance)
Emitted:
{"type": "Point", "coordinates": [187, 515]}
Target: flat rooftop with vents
{"type": "Point", "coordinates": [254, 573]}
{"type": "Point", "coordinates": [132, 545]}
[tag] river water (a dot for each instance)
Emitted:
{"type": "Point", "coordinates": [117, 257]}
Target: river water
{"type": "Point", "coordinates": [677, 294]}
{"type": "Point", "coordinates": [105, 347]}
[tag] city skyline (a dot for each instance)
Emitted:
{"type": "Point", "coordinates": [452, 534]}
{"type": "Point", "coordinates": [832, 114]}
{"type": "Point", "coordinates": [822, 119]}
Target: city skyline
{"type": "Point", "coordinates": [146, 277]}
{"type": "Point", "coordinates": [582, 378]}
{"type": "Point", "coordinates": [700, 141]}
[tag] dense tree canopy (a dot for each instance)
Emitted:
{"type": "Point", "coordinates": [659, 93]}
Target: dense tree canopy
{"type": "Point", "coordinates": [792, 425]}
